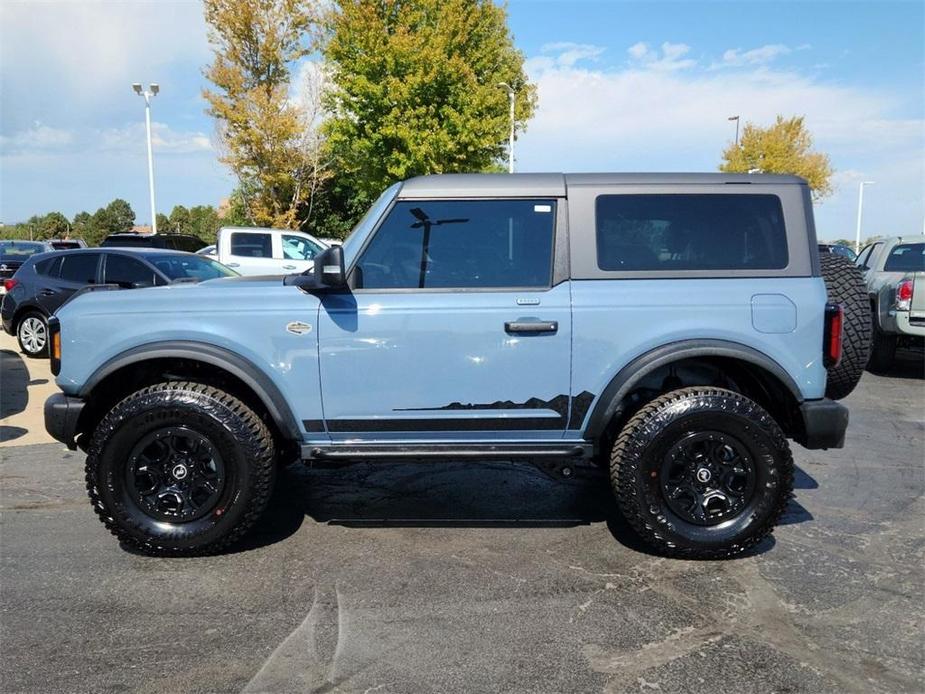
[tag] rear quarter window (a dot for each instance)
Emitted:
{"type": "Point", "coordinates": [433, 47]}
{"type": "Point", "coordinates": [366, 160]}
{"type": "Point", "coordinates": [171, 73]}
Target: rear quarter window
{"type": "Point", "coordinates": [681, 232]}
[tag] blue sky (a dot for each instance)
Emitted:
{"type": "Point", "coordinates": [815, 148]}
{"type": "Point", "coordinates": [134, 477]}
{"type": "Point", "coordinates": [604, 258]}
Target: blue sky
{"type": "Point", "coordinates": [623, 86]}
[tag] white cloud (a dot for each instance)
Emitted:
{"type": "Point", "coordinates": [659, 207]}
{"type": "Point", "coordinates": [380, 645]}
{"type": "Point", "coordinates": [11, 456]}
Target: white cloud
{"type": "Point", "coordinates": [755, 56]}
{"type": "Point", "coordinates": [670, 58]}
{"type": "Point", "coordinates": [38, 137]}
{"type": "Point", "coordinates": [131, 140]}
{"type": "Point", "coordinates": [641, 118]}
{"type": "Point", "coordinates": [563, 54]}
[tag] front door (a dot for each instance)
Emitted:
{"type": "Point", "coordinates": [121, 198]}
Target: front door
{"type": "Point", "coordinates": [454, 330]}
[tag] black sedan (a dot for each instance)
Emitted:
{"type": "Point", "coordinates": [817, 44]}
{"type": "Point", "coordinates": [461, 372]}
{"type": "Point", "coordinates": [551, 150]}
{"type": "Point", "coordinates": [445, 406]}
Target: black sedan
{"type": "Point", "coordinates": [45, 281]}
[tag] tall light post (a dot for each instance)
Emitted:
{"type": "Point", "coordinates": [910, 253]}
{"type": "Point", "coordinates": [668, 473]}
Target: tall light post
{"type": "Point", "coordinates": [148, 94]}
{"type": "Point", "coordinates": [510, 152]}
{"type": "Point", "coordinates": [857, 237]}
{"type": "Point", "coordinates": [736, 119]}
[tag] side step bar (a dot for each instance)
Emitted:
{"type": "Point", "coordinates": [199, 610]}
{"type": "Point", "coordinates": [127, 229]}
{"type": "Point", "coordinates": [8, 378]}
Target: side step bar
{"type": "Point", "coordinates": [379, 451]}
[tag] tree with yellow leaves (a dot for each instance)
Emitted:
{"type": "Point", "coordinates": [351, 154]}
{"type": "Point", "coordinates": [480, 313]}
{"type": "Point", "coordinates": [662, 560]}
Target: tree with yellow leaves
{"type": "Point", "coordinates": [783, 148]}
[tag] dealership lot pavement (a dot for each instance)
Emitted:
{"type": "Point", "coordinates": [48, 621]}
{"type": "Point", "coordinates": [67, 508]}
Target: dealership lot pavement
{"type": "Point", "coordinates": [470, 577]}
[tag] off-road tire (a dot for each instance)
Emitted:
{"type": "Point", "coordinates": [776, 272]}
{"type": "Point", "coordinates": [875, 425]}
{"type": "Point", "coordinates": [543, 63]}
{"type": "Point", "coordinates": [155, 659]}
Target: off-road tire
{"type": "Point", "coordinates": [636, 464]}
{"type": "Point", "coordinates": [845, 285]}
{"type": "Point", "coordinates": [238, 434]}
{"type": "Point", "coordinates": [20, 338]}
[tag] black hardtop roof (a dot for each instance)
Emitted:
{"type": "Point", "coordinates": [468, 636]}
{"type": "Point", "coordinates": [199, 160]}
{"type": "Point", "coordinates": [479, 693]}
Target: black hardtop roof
{"type": "Point", "coordinates": [555, 184]}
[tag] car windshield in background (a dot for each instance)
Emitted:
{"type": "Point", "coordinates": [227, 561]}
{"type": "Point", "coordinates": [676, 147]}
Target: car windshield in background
{"type": "Point", "coordinates": [194, 267]}
{"type": "Point", "coordinates": [906, 257]}
{"type": "Point", "coordinates": [16, 251]}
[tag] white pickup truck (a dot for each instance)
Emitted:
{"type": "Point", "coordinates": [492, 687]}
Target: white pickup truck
{"type": "Point", "coordinates": [258, 251]}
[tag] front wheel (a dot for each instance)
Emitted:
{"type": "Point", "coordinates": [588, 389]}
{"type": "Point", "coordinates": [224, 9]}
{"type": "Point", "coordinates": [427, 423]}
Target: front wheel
{"type": "Point", "coordinates": [32, 334]}
{"type": "Point", "coordinates": [180, 468]}
{"type": "Point", "coordinates": [702, 473]}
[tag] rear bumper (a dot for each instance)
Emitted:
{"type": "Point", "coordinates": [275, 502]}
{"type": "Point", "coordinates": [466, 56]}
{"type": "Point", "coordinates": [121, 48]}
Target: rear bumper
{"type": "Point", "coordinates": [61, 415]}
{"type": "Point", "coordinates": [824, 424]}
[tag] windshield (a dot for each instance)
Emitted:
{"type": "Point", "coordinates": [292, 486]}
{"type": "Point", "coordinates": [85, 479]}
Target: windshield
{"type": "Point", "coordinates": [360, 231]}
{"type": "Point", "coordinates": [906, 257]}
{"type": "Point", "coordinates": [17, 251]}
{"type": "Point", "coordinates": [196, 267]}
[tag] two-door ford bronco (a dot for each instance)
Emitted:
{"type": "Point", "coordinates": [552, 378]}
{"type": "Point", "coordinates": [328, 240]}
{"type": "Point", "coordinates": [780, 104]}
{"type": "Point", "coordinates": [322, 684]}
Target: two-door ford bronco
{"type": "Point", "coordinates": [675, 328]}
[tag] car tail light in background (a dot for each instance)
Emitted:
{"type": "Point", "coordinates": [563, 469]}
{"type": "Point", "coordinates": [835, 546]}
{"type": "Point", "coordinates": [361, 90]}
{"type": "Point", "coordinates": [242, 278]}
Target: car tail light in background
{"type": "Point", "coordinates": [904, 295]}
{"type": "Point", "coordinates": [9, 284]}
{"type": "Point", "coordinates": [832, 335]}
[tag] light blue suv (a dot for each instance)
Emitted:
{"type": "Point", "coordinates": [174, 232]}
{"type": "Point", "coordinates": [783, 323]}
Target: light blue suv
{"type": "Point", "coordinates": [674, 328]}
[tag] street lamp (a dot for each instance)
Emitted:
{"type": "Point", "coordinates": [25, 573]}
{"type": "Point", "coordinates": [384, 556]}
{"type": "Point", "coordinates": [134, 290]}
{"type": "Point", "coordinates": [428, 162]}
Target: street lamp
{"type": "Point", "coordinates": [857, 237]}
{"type": "Point", "coordinates": [153, 89]}
{"type": "Point", "coordinates": [736, 119]}
{"type": "Point", "coordinates": [510, 152]}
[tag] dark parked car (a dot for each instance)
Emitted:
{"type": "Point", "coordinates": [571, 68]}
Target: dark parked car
{"type": "Point", "coordinates": [174, 242]}
{"type": "Point", "coordinates": [46, 280]}
{"type": "Point", "coordinates": [14, 253]}
{"type": "Point", "coordinates": [838, 249]}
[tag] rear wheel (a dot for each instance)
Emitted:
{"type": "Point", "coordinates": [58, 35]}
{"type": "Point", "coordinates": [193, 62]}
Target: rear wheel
{"type": "Point", "coordinates": [180, 468]}
{"type": "Point", "coordinates": [32, 334]}
{"type": "Point", "coordinates": [702, 473]}
{"type": "Point", "coordinates": [845, 285]}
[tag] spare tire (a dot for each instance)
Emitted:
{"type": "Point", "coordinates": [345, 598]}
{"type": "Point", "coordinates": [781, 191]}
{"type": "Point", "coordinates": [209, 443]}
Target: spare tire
{"type": "Point", "coordinates": [845, 285]}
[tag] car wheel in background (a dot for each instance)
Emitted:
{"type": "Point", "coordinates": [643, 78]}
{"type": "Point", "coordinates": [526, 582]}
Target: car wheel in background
{"type": "Point", "coordinates": [32, 334]}
{"type": "Point", "coordinates": [844, 285]}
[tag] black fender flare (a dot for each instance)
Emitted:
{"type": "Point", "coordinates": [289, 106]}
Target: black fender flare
{"type": "Point", "coordinates": [626, 378]}
{"type": "Point", "coordinates": [232, 362]}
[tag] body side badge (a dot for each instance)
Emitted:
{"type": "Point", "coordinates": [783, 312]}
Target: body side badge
{"type": "Point", "coordinates": [298, 328]}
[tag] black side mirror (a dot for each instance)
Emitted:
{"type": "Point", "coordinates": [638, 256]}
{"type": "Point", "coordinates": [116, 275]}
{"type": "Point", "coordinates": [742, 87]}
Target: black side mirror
{"type": "Point", "coordinates": [329, 267]}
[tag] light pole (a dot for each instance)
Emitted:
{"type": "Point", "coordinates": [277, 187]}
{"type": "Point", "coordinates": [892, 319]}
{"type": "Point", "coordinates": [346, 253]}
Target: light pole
{"type": "Point", "coordinates": [857, 237]}
{"type": "Point", "coordinates": [510, 152]}
{"type": "Point", "coordinates": [736, 119]}
{"type": "Point", "coordinates": [147, 94]}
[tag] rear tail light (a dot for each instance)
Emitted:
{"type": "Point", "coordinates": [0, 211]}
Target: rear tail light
{"type": "Point", "coordinates": [9, 284]}
{"type": "Point", "coordinates": [832, 335]}
{"type": "Point", "coordinates": [904, 295]}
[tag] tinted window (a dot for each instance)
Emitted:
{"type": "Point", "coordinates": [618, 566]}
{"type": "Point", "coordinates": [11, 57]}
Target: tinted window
{"type": "Point", "coordinates": [127, 272]}
{"type": "Point", "coordinates": [64, 245]}
{"type": "Point", "coordinates": [861, 260]}
{"type": "Point", "coordinates": [79, 267]}
{"type": "Point", "coordinates": [690, 232]}
{"type": "Point", "coordinates": [868, 260]}
{"type": "Point", "coordinates": [49, 267]}
{"type": "Point", "coordinates": [139, 241]}
{"type": "Point", "coordinates": [906, 257]}
{"type": "Point", "coordinates": [195, 267]}
{"type": "Point", "coordinates": [299, 248]}
{"type": "Point", "coordinates": [460, 244]}
{"type": "Point", "coordinates": [16, 251]}
{"type": "Point", "coordinates": [184, 243]}
{"type": "Point", "coordinates": [251, 245]}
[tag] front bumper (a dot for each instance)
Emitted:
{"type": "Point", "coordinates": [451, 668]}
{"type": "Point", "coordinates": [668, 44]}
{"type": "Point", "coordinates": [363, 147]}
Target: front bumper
{"type": "Point", "coordinates": [824, 424]}
{"type": "Point", "coordinates": [61, 415]}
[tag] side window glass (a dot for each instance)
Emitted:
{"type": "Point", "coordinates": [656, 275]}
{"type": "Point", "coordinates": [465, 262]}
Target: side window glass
{"type": "Point", "coordinates": [48, 267]}
{"type": "Point", "coordinates": [460, 244]}
{"type": "Point", "coordinates": [79, 267]}
{"type": "Point", "coordinates": [298, 248]}
{"type": "Point", "coordinates": [871, 256]}
{"type": "Point", "coordinates": [861, 260]}
{"type": "Point", "coordinates": [682, 232]}
{"type": "Point", "coordinates": [251, 245]}
{"type": "Point", "coordinates": [127, 272]}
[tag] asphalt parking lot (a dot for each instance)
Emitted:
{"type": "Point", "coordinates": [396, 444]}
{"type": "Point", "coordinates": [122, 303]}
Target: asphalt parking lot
{"type": "Point", "coordinates": [469, 577]}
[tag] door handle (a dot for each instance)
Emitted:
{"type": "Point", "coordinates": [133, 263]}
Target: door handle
{"type": "Point", "coordinates": [288, 267]}
{"type": "Point", "coordinates": [48, 292]}
{"type": "Point", "coordinates": [531, 326]}
{"type": "Point", "coordinates": [233, 264]}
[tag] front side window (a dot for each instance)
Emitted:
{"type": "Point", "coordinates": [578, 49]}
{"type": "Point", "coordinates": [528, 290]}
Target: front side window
{"type": "Point", "coordinates": [79, 267]}
{"type": "Point", "coordinates": [127, 272]}
{"type": "Point", "coordinates": [690, 232]}
{"type": "Point", "coordinates": [250, 245]}
{"type": "Point", "coordinates": [458, 244]}
{"type": "Point", "coordinates": [861, 260]}
{"type": "Point", "coordinates": [299, 248]}
{"type": "Point", "coordinates": [906, 257]}
{"type": "Point", "coordinates": [869, 259]}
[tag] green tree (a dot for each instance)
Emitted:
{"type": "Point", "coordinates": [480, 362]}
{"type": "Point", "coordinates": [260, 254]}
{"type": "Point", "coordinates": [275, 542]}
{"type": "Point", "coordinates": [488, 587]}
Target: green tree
{"type": "Point", "coordinates": [782, 148]}
{"type": "Point", "coordinates": [163, 223]}
{"type": "Point", "coordinates": [414, 89]}
{"type": "Point", "coordinates": [261, 131]}
{"type": "Point", "coordinates": [52, 226]}
{"type": "Point", "coordinates": [203, 222]}
{"type": "Point", "coordinates": [82, 226]}
{"type": "Point", "coordinates": [179, 220]}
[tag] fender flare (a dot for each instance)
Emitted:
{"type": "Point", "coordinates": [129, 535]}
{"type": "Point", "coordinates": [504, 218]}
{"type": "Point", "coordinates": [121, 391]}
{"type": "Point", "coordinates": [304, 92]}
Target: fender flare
{"type": "Point", "coordinates": [626, 379]}
{"type": "Point", "coordinates": [232, 362]}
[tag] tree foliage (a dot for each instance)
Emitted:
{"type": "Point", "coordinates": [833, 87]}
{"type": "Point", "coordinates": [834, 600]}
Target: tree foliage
{"type": "Point", "coordinates": [115, 217]}
{"type": "Point", "coordinates": [414, 89]}
{"type": "Point", "coordinates": [782, 148]}
{"type": "Point", "coordinates": [262, 133]}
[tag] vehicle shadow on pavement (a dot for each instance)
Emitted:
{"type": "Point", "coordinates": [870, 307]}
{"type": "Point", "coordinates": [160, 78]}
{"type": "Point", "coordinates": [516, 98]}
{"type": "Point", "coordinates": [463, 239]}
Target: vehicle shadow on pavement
{"type": "Point", "coordinates": [908, 364]}
{"type": "Point", "coordinates": [14, 393]}
{"type": "Point", "coordinates": [453, 494]}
